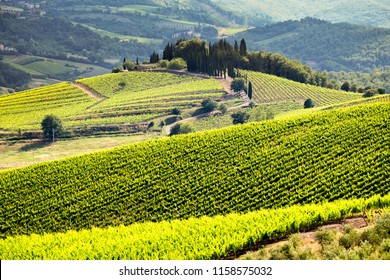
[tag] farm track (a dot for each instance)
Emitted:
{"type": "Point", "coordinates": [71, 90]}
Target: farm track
{"type": "Point", "coordinates": [226, 86]}
{"type": "Point", "coordinates": [90, 92]}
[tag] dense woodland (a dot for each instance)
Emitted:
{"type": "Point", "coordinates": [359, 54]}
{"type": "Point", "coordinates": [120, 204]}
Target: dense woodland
{"type": "Point", "coordinates": [324, 45]}
{"type": "Point", "coordinates": [12, 77]}
{"type": "Point", "coordinates": [54, 37]}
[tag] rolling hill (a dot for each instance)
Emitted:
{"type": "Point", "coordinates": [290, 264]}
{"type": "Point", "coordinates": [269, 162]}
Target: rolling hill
{"type": "Point", "coordinates": [372, 12]}
{"type": "Point", "coordinates": [119, 99]}
{"type": "Point", "coordinates": [338, 154]}
{"type": "Point", "coordinates": [324, 45]}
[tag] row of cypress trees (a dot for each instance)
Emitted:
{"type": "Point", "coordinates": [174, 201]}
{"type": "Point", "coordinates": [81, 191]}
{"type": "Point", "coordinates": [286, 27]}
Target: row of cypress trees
{"type": "Point", "coordinates": [221, 58]}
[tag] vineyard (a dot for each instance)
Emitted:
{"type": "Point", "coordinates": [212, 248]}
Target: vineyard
{"type": "Point", "coordinates": [194, 238]}
{"type": "Point", "coordinates": [326, 156]}
{"type": "Point", "coordinates": [272, 89]}
{"type": "Point", "coordinates": [139, 97]}
{"type": "Point", "coordinates": [131, 98]}
{"type": "Point", "coordinates": [25, 110]}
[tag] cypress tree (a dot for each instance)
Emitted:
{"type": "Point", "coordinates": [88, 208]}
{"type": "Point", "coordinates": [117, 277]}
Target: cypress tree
{"type": "Point", "coordinates": [243, 51]}
{"type": "Point", "coordinates": [236, 46]}
{"type": "Point", "coordinates": [250, 90]}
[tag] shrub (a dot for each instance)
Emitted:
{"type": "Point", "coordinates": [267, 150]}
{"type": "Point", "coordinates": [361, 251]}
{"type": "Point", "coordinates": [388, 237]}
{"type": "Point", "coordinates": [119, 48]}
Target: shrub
{"type": "Point", "coordinates": [175, 111]}
{"type": "Point", "coordinates": [163, 63]}
{"type": "Point", "coordinates": [240, 117]}
{"type": "Point", "coordinates": [350, 238]}
{"type": "Point", "coordinates": [325, 237]}
{"type": "Point", "coordinates": [223, 108]}
{"type": "Point", "coordinates": [369, 93]}
{"type": "Point", "coordinates": [177, 64]}
{"type": "Point", "coordinates": [180, 128]}
{"type": "Point", "coordinates": [209, 105]}
{"type": "Point", "coordinates": [238, 84]}
{"type": "Point", "coordinates": [308, 104]}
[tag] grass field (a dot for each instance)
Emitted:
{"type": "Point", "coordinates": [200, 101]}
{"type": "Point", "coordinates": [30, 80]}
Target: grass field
{"type": "Point", "coordinates": [23, 153]}
{"type": "Point", "coordinates": [43, 67]}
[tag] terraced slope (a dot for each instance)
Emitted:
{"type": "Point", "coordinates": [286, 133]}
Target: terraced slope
{"type": "Point", "coordinates": [272, 89]}
{"type": "Point", "coordinates": [141, 96]}
{"type": "Point", "coordinates": [326, 156]}
{"type": "Point", "coordinates": [130, 98]}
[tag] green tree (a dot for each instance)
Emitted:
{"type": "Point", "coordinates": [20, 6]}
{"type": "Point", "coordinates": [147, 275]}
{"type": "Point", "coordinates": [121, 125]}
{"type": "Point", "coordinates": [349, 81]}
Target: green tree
{"type": "Point", "coordinates": [240, 117]}
{"type": "Point", "coordinates": [175, 111]}
{"type": "Point", "coordinates": [51, 127]}
{"type": "Point", "coordinates": [128, 65]}
{"type": "Point", "coordinates": [209, 105]}
{"type": "Point", "coordinates": [345, 86]}
{"type": "Point", "coordinates": [250, 90]}
{"type": "Point", "coordinates": [177, 64]}
{"type": "Point", "coordinates": [308, 104]}
{"type": "Point", "coordinates": [243, 51]}
{"type": "Point", "coordinates": [154, 57]}
{"type": "Point", "coordinates": [238, 84]}
{"type": "Point", "coordinates": [180, 128]}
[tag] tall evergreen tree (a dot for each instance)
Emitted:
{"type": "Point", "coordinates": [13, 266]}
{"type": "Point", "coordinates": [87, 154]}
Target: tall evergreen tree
{"type": "Point", "coordinates": [243, 51]}
{"type": "Point", "coordinates": [236, 49]}
{"type": "Point", "coordinates": [250, 90]}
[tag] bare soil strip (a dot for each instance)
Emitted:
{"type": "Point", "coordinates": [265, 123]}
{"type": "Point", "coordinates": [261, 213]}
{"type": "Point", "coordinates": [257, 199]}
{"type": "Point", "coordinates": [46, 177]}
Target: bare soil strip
{"type": "Point", "coordinates": [92, 93]}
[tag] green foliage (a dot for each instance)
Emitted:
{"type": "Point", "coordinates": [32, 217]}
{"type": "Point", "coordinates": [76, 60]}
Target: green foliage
{"type": "Point", "coordinates": [57, 37]}
{"type": "Point", "coordinates": [51, 126]}
{"type": "Point", "coordinates": [177, 64]}
{"type": "Point", "coordinates": [271, 89]}
{"type": "Point", "coordinates": [240, 117]}
{"type": "Point", "coordinates": [129, 65]}
{"type": "Point", "coordinates": [191, 239]}
{"type": "Point", "coordinates": [180, 128]}
{"type": "Point", "coordinates": [176, 111]}
{"type": "Point", "coordinates": [97, 190]}
{"type": "Point", "coordinates": [325, 237]}
{"type": "Point", "coordinates": [350, 238]}
{"type": "Point", "coordinates": [223, 108]}
{"type": "Point", "coordinates": [359, 47]}
{"type": "Point", "coordinates": [308, 104]}
{"type": "Point", "coordinates": [12, 77]}
{"type": "Point", "coordinates": [209, 105]}
{"type": "Point", "coordinates": [238, 84]}
{"type": "Point", "coordinates": [370, 93]}
{"type": "Point", "coordinates": [163, 63]}
{"type": "Point", "coordinates": [345, 86]}
{"type": "Point", "coordinates": [154, 57]}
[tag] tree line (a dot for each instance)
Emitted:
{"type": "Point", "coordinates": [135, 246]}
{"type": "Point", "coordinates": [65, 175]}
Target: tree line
{"type": "Point", "coordinates": [221, 58]}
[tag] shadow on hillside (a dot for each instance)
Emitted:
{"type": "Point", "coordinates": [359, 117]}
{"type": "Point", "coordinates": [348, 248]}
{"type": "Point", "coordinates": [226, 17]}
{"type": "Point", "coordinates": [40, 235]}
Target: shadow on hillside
{"type": "Point", "coordinates": [35, 146]}
{"type": "Point", "coordinates": [199, 111]}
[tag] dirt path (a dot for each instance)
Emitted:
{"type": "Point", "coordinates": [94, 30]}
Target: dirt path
{"type": "Point", "coordinates": [226, 86]}
{"type": "Point", "coordinates": [90, 92]}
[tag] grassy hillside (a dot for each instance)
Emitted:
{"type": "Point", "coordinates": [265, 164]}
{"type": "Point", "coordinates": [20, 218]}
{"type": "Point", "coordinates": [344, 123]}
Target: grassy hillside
{"type": "Point", "coordinates": [372, 12]}
{"type": "Point", "coordinates": [324, 45]}
{"type": "Point", "coordinates": [324, 157]}
{"type": "Point", "coordinates": [272, 89]}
